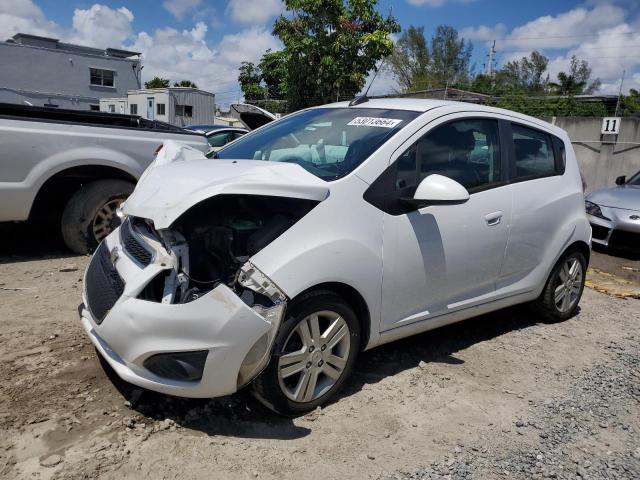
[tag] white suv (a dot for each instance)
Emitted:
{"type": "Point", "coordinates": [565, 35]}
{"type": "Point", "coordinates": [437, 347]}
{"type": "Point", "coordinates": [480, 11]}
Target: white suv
{"type": "Point", "coordinates": [328, 232]}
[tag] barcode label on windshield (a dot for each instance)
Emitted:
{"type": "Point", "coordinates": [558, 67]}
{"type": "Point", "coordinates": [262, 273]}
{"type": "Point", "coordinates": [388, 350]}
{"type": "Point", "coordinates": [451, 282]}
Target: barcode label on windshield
{"type": "Point", "coordinates": [374, 122]}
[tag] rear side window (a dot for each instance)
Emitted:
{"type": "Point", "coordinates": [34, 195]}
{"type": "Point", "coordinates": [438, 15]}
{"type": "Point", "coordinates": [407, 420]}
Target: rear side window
{"type": "Point", "coordinates": [534, 154]}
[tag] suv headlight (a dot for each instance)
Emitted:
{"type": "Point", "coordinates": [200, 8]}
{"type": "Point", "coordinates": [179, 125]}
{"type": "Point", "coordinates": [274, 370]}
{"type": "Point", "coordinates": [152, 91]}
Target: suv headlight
{"type": "Point", "coordinates": [594, 209]}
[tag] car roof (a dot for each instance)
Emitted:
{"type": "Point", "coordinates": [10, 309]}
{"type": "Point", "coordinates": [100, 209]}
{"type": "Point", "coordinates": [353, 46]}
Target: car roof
{"type": "Point", "coordinates": [426, 104]}
{"type": "Point", "coordinates": [234, 129]}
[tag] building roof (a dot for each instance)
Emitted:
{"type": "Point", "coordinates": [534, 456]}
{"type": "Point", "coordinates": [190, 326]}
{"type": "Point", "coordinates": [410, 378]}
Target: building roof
{"type": "Point", "coordinates": [28, 40]}
{"type": "Point", "coordinates": [167, 89]}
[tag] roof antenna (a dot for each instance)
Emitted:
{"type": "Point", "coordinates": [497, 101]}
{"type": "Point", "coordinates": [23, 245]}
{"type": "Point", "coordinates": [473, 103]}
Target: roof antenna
{"type": "Point", "coordinates": [363, 98]}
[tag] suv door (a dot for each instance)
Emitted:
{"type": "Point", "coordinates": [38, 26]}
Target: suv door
{"type": "Point", "coordinates": [443, 257]}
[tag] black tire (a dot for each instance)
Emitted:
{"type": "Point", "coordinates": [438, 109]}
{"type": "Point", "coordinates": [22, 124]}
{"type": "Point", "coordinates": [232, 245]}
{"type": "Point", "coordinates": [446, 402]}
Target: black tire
{"type": "Point", "coordinates": [546, 303]}
{"type": "Point", "coordinates": [267, 387]}
{"type": "Point", "coordinates": [82, 210]}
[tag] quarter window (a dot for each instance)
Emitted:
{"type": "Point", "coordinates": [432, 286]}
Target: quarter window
{"type": "Point", "coordinates": [103, 78]}
{"type": "Point", "coordinates": [465, 150]}
{"type": "Point", "coordinates": [533, 153]}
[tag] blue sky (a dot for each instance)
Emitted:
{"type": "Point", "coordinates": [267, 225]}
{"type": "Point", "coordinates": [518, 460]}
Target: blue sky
{"type": "Point", "coordinates": [206, 40]}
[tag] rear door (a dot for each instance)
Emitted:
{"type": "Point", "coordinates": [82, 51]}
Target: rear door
{"type": "Point", "coordinates": [542, 206]}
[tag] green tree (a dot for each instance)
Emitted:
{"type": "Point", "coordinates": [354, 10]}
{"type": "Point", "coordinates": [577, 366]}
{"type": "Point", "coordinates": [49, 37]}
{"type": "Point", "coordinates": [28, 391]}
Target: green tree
{"type": "Point", "coordinates": [157, 82]}
{"type": "Point", "coordinates": [330, 46]}
{"type": "Point", "coordinates": [410, 58]}
{"type": "Point", "coordinates": [273, 68]}
{"type": "Point", "coordinates": [450, 57]}
{"type": "Point", "coordinates": [630, 103]}
{"type": "Point", "coordinates": [527, 73]}
{"type": "Point", "coordinates": [185, 83]}
{"type": "Point", "coordinates": [250, 78]}
{"type": "Point", "coordinates": [418, 65]}
{"type": "Point", "coordinates": [576, 80]}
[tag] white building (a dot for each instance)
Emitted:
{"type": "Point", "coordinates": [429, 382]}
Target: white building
{"type": "Point", "coordinates": [181, 106]}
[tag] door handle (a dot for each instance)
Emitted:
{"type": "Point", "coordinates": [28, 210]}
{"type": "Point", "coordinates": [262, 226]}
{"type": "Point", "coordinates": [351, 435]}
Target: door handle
{"type": "Point", "coordinates": [493, 218]}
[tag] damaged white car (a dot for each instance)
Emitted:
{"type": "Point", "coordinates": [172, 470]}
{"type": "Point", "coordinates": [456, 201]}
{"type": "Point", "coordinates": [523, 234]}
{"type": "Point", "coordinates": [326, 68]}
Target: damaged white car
{"type": "Point", "coordinates": [328, 232]}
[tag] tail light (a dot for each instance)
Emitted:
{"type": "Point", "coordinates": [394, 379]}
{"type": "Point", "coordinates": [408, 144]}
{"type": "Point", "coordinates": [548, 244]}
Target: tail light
{"type": "Point", "coordinates": [157, 150]}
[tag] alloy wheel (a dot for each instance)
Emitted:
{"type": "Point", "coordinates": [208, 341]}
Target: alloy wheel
{"type": "Point", "coordinates": [314, 356]}
{"type": "Point", "coordinates": [106, 220]}
{"type": "Point", "coordinates": [567, 292]}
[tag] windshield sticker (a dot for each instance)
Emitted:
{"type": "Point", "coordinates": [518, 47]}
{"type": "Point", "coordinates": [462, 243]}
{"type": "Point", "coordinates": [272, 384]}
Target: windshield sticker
{"type": "Point", "coordinates": [374, 122]}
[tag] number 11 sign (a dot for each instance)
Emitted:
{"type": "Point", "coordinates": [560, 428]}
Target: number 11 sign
{"type": "Point", "coordinates": [611, 125]}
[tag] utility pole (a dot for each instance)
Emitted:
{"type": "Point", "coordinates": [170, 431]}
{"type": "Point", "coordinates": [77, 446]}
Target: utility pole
{"type": "Point", "coordinates": [492, 52]}
{"type": "Point", "coordinates": [619, 93]}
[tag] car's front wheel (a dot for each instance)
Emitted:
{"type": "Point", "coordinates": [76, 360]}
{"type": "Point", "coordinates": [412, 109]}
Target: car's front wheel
{"type": "Point", "coordinates": [314, 352]}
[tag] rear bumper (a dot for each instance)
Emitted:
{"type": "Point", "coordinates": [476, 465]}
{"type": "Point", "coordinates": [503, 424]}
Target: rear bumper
{"type": "Point", "coordinates": [134, 330]}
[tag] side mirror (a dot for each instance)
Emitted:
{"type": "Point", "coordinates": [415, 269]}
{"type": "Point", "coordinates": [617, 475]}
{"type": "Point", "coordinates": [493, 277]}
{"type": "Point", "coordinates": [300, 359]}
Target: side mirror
{"type": "Point", "coordinates": [437, 190]}
{"type": "Point", "coordinates": [621, 180]}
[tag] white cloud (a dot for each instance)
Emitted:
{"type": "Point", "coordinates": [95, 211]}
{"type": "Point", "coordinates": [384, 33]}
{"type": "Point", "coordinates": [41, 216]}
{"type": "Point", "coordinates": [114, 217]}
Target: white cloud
{"type": "Point", "coordinates": [185, 55]}
{"type": "Point", "coordinates": [179, 8]}
{"type": "Point", "coordinates": [254, 11]}
{"type": "Point", "coordinates": [484, 33]}
{"type": "Point", "coordinates": [101, 26]}
{"type": "Point", "coordinates": [602, 35]}
{"type": "Point", "coordinates": [436, 3]}
{"type": "Point", "coordinates": [24, 16]}
{"type": "Point", "coordinates": [566, 29]}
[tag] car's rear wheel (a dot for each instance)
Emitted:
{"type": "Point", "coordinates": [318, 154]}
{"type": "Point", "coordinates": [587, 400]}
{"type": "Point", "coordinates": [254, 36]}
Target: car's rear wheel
{"type": "Point", "coordinates": [90, 214]}
{"type": "Point", "coordinates": [560, 298]}
{"type": "Point", "coordinates": [313, 354]}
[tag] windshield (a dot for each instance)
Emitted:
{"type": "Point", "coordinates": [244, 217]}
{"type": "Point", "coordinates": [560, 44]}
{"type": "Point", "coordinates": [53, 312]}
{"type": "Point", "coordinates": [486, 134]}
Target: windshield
{"type": "Point", "coordinates": [328, 142]}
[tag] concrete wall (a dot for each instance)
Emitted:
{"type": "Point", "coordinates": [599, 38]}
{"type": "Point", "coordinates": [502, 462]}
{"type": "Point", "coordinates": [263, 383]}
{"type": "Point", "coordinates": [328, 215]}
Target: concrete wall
{"type": "Point", "coordinates": [602, 158]}
{"type": "Point", "coordinates": [60, 77]}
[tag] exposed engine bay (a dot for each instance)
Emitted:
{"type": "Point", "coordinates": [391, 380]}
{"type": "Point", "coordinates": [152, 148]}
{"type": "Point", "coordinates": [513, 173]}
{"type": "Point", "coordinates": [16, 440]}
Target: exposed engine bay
{"type": "Point", "coordinates": [213, 241]}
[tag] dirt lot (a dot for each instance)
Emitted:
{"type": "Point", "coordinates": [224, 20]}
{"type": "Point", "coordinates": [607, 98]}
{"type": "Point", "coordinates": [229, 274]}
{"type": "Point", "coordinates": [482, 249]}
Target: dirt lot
{"type": "Point", "coordinates": [499, 396]}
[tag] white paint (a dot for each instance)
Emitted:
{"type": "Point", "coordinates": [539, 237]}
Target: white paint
{"type": "Point", "coordinates": [415, 271]}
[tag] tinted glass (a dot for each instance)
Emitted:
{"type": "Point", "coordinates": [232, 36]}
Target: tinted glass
{"type": "Point", "coordinates": [328, 142]}
{"type": "Point", "coordinates": [107, 78]}
{"type": "Point", "coordinates": [635, 180]}
{"type": "Point", "coordinates": [219, 139]}
{"type": "Point", "coordinates": [466, 151]}
{"type": "Point", "coordinates": [534, 152]}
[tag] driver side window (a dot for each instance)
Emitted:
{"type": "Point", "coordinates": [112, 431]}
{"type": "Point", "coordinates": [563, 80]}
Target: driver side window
{"type": "Point", "coordinates": [464, 150]}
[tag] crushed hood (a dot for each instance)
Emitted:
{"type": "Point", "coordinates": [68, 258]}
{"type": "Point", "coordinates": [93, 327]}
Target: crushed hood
{"type": "Point", "coordinates": [624, 196]}
{"type": "Point", "coordinates": [179, 178]}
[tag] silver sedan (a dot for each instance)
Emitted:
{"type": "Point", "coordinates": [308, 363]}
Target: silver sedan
{"type": "Point", "coordinates": [614, 214]}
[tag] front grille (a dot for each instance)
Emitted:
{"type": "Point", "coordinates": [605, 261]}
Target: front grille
{"type": "Point", "coordinates": [133, 245]}
{"type": "Point", "coordinates": [625, 240]}
{"type": "Point", "coordinates": [599, 232]}
{"type": "Point", "coordinates": [104, 285]}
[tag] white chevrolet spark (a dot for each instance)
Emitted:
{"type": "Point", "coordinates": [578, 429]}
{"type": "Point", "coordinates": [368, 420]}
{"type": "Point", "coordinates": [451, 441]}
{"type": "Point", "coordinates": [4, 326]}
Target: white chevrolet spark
{"type": "Point", "coordinates": [328, 232]}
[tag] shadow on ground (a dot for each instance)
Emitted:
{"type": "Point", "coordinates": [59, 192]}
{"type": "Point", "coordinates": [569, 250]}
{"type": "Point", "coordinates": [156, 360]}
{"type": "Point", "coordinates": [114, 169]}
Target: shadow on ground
{"type": "Point", "coordinates": [241, 415]}
{"type": "Point", "coordinates": [21, 242]}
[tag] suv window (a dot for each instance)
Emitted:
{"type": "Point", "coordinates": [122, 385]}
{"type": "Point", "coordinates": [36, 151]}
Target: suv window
{"type": "Point", "coordinates": [464, 150]}
{"type": "Point", "coordinates": [533, 153]}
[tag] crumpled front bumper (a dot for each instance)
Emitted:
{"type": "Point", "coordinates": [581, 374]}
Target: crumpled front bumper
{"type": "Point", "coordinates": [134, 330]}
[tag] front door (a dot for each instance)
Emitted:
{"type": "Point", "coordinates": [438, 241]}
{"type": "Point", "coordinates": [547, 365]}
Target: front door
{"type": "Point", "coordinates": [150, 108]}
{"type": "Point", "coordinates": [443, 258]}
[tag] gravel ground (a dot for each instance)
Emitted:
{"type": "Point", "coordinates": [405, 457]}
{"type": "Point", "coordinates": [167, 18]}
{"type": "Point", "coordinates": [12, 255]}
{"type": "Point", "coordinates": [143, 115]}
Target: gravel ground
{"type": "Point", "coordinates": [499, 396]}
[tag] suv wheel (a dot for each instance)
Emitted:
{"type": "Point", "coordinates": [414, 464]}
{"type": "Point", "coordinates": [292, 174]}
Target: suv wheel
{"type": "Point", "coordinates": [313, 354]}
{"type": "Point", "coordinates": [90, 214]}
{"type": "Point", "coordinates": [561, 295]}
